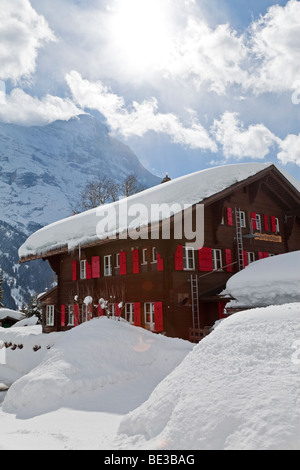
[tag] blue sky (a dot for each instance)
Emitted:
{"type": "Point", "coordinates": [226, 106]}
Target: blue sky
{"type": "Point", "coordinates": [187, 84]}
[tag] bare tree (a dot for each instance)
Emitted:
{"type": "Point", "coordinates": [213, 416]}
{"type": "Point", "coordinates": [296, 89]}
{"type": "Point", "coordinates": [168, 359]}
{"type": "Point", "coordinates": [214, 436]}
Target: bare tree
{"type": "Point", "coordinates": [131, 185]}
{"type": "Point", "coordinates": [96, 193]}
{"type": "Point", "coordinates": [102, 190]}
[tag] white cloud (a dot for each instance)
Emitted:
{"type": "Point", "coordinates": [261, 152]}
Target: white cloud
{"type": "Point", "coordinates": [139, 118]}
{"type": "Point", "coordinates": [290, 150]}
{"type": "Point", "coordinates": [238, 142]}
{"type": "Point", "coordinates": [22, 33]}
{"type": "Point", "coordinates": [213, 57]}
{"type": "Point", "coordinates": [275, 46]}
{"type": "Point", "coordinates": [21, 108]}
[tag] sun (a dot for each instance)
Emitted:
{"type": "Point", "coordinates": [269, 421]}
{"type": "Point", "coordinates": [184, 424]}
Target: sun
{"type": "Point", "coordinates": [141, 32]}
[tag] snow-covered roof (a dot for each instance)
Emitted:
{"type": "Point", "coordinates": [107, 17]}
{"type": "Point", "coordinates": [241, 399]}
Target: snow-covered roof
{"type": "Point", "coordinates": [82, 229]}
{"type": "Point", "coordinates": [7, 313]}
{"type": "Point", "coordinates": [269, 281]}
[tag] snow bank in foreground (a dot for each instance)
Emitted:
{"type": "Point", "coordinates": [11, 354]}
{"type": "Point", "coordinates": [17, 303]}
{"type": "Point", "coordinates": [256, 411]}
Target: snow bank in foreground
{"type": "Point", "coordinates": [238, 389]}
{"type": "Point", "coordinates": [269, 281]}
{"type": "Point", "coordinates": [28, 346]}
{"type": "Point", "coordinates": [90, 356]}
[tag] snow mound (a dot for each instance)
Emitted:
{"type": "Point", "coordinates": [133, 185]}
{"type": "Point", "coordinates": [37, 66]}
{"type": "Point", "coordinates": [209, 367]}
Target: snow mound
{"type": "Point", "coordinates": [89, 357]}
{"type": "Point", "coordinates": [269, 281]}
{"type": "Point", "coordinates": [238, 389]}
{"type": "Point", "coordinates": [7, 313]}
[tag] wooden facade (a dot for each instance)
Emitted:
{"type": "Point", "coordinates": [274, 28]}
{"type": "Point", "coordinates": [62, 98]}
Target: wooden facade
{"type": "Point", "coordinates": [150, 282]}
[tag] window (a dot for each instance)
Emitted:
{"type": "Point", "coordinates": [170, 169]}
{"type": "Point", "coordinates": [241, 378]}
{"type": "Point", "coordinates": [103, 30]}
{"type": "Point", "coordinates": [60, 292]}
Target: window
{"type": "Point", "coordinates": [83, 269]}
{"type": "Point", "coordinates": [250, 257]}
{"type": "Point", "coordinates": [149, 313]}
{"type": "Point", "coordinates": [154, 255]}
{"type": "Point", "coordinates": [188, 258]}
{"type": "Point", "coordinates": [71, 315]}
{"type": "Point", "coordinates": [258, 222]}
{"type": "Point", "coordinates": [50, 315]}
{"type": "Point", "coordinates": [111, 309]}
{"type": "Point", "coordinates": [243, 219]}
{"type": "Point", "coordinates": [107, 265]}
{"type": "Point", "coordinates": [117, 260]}
{"type": "Point", "coordinates": [277, 224]}
{"type": "Point", "coordinates": [84, 311]}
{"type": "Point", "coordinates": [217, 259]}
{"type": "Point", "coordinates": [129, 312]}
{"type": "Point", "coordinates": [144, 256]}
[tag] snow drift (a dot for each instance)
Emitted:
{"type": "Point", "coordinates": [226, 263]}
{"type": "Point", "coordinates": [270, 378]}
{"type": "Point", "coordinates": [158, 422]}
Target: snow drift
{"type": "Point", "coordinates": [89, 357]}
{"type": "Point", "coordinates": [238, 389]}
{"type": "Point", "coordinates": [269, 281]}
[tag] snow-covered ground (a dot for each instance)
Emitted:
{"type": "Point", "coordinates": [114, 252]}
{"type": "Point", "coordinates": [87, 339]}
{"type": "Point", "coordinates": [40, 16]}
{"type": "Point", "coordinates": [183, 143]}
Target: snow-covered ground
{"type": "Point", "coordinates": [109, 385]}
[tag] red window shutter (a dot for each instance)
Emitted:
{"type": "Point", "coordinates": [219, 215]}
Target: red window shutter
{"type": "Point", "coordinates": [123, 262]}
{"type": "Point", "coordinates": [228, 259]}
{"type": "Point", "coordinates": [266, 223]}
{"type": "Point", "coordinates": [229, 216]}
{"type": "Point", "coordinates": [135, 261]}
{"type": "Point", "coordinates": [117, 310]}
{"type": "Point", "coordinates": [74, 270]}
{"type": "Point", "coordinates": [205, 259]}
{"type": "Point", "coordinates": [137, 314]}
{"type": "Point", "coordinates": [76, 315]}
{"type": "Point", "coordinates": [95, 267]}
{"type": "Point", "coordinates": [63, 315]}
{"type": "Point", "coordinates": [88, 270]}
{"type": "Point", "coordinates": [261, 255]}
{"type": "Point", "coordinates": [179, 258]}
{"type": "Point", "coordinates": [158, 317]}
{"type": "Point", "coordinates": [245, 256]}
{"type": "Point", "coordinates": [273, 223]}
{"type": "Point", "coordinates": [160, 262]}
{"type": "Point", "coordinates": [253, 218]}
{"type": "Point", "coordinates": [100, 311]}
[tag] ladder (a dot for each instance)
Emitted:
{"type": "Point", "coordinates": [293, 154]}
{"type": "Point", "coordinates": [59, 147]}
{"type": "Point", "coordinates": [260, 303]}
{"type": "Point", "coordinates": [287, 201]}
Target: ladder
{"type": "Point", "coordinates": [239, 239]}
{"type": "Point", "coordinates": [195, 302]}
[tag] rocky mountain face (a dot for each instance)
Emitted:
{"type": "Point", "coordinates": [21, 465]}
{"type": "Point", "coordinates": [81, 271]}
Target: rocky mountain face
{"type": "Point", "coordinates": [42, 171]}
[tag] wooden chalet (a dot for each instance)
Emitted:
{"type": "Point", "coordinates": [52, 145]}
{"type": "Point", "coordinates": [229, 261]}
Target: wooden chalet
{"type": "Point", "coordinates": [251, 211]}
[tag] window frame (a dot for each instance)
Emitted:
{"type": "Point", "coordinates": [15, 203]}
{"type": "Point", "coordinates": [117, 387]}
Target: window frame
{"type": "Point", "coordinates": [250, 257]}
{"type": "Point", "coordinates": [149, 312]}
{"type": "Point", "coordinates": [129, 315]}
{"type": "Point", "coordinates": [50, 311]}
{"type": "Point", "coordinates": [71, 315]}
{"type": "Point", "coordinates": [84, 313]}
{"type": "Point", "coordinates": [258, 222]}
{"type": "Point", "coordinates": [187, 266]}
{"type": "Point", "coordinates": [83, 269]}
{"type": "Point", "coordinates": [217, 259]}
{"type": "Point", "coordinates": [154, 255]}
{"type": "Point", "coordinates": [144, 256]}
{"type": "Point", "coordinates": [107, 269]}
{"type": "Point", "coordinates": [243, 219]}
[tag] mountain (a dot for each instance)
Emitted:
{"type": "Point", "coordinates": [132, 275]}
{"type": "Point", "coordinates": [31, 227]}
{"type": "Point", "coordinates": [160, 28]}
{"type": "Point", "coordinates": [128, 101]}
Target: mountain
{"type": "Point", "coordinates": [42, 171]}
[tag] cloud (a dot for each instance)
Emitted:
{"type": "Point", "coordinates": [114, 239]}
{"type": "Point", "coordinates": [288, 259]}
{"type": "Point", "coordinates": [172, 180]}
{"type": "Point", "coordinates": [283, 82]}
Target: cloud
{"type": "Point", "coordinates": [138, 118]}
{"type": "Point", "coordinates": [238, 142]}
{"type": "Point", "coordinates": [274, 44]}
{"type": "Point", "coordinates": [207, 56]}
{"type": "Point", "coordinates": [22, 33]}
{"type": "Point", "coordinates": [290, 150]}
{"type": "Point", "coordinates": [21, 108]}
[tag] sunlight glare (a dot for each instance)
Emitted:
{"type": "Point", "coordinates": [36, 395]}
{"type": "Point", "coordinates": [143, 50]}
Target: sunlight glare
{"type": "Point", "coordinates": [141, 32]}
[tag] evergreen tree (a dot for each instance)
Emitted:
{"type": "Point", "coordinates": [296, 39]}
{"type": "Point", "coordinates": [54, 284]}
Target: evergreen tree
{"type": "Point", "coordinates": [34, 307]}
{"type": "Point", "coordinates": [1, 289]}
